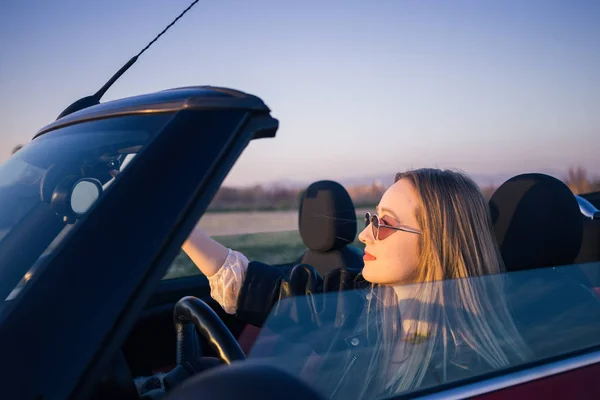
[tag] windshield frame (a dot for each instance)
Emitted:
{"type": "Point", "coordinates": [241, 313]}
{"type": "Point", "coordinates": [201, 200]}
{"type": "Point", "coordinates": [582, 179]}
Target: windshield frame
{"type": "Point", "coordinates": [83, 327]}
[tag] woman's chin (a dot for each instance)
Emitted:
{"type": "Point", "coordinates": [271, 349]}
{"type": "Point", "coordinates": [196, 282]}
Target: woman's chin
{"type": "Point", "coordinates": [380, 276]}
{"type": "Point", "coordinates": [369, 273]}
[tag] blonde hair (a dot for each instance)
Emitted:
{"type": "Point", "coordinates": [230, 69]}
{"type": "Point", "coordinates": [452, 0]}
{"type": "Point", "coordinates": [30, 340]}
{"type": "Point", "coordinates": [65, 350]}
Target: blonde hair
{"type": "Point", "coordinates": [457, 241]}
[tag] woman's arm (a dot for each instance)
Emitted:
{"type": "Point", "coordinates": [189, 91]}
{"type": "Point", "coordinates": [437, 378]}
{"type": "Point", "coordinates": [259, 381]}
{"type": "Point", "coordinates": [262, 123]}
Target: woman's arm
{"type": "Point", "coordinates": [250, 290]}
{"type": "Point", "coordinates": [208, 255]}
{"type": "Point", "coordinates": [225, 269]}
{"type": "Point", "coordinates": [246, 289]}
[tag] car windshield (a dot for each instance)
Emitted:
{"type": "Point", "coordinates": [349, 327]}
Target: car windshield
{"type": "Point", "coordinates": [402, 339]}
{"type": "Point", "coordinates": [38, 199]}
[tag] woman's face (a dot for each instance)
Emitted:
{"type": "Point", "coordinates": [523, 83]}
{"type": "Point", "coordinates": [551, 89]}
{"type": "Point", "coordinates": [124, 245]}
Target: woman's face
{"type": "Point", "coordinates": [394, 259]}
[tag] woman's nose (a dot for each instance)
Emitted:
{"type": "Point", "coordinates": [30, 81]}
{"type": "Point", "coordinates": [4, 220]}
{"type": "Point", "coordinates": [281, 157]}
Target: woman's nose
{"type": "Point", "coordinates": [366, 235]}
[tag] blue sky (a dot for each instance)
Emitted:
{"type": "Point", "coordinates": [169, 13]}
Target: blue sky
{"type": "Point", "coordinates": [361, 87]}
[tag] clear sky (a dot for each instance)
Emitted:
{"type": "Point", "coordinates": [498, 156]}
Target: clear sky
{"type": "Point", "coordinates": [360, 87]}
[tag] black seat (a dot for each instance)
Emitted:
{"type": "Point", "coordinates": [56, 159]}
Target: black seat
{"type": "Point", "coordinates": [538, 225]}
{"type": "Point", "coordinates": [537, 222]}
{"type": "Point", "coordinates": [327, 223]}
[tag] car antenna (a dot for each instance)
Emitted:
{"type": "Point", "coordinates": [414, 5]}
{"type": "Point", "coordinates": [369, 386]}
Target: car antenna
{"type": "Point", "coordinates": [94, 99]}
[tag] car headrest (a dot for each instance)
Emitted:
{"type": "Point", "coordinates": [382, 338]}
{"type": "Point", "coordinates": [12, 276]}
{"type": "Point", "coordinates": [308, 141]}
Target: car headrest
{"type": "Point", "coordinates": [537, 222]}
{"type": "Point", "coordinates": [327, 219]}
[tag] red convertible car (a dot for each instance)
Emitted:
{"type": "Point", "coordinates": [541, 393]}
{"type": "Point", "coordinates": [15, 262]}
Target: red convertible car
{"type": "Point", "coordinates": [94, 211]}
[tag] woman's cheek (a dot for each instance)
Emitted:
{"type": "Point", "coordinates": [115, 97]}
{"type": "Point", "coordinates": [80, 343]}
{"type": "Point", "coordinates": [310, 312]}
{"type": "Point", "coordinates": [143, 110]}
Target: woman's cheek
{"type": "Point", "coordinates": [402, 261]}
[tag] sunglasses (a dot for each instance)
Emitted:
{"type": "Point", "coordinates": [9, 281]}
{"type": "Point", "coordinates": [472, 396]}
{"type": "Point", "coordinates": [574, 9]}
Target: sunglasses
{"type": "Point", "coordinates": [381, 230]}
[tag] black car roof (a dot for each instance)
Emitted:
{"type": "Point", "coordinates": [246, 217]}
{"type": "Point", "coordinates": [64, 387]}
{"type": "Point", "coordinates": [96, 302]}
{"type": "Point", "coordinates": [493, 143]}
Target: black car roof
{"type": "Point", "coordinates": [171, 100]}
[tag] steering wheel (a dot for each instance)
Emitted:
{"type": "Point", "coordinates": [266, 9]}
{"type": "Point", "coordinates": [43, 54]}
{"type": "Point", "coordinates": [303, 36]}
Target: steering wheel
{"type": "Point", "coordinates": [192, 316]}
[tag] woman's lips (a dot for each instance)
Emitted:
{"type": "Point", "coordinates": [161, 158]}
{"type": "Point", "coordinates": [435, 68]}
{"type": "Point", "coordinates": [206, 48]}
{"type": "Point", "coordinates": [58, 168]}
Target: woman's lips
{"type": "Point", "coordinates": [369, 257]}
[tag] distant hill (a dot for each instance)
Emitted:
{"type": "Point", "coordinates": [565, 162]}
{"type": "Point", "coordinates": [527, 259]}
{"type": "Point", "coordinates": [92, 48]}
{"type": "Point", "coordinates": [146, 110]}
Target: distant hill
{"type": "Point", "coordinates": [483, 179]}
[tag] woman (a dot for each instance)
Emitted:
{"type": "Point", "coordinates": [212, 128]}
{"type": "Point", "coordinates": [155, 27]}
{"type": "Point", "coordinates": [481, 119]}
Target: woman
{"type": "Point", "coordinates": [433, 226]}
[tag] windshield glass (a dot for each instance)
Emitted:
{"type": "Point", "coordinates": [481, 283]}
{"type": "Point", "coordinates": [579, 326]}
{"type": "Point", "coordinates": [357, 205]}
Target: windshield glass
{"type": "Point", "coordinates": [50, 184]}
{"type": "Point", "coordinates": [376, 342]}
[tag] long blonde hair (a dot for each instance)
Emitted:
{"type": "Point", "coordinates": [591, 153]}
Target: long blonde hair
{"type": "Point", "coordinates": [450, 313]}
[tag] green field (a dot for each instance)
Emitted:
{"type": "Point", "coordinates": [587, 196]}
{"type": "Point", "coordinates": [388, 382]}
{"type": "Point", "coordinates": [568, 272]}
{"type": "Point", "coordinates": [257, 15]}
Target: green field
{"type": "Point", "coordinates": [271, 248]}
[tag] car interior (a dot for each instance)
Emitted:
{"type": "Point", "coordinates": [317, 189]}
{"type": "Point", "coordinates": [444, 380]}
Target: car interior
{"type": "Point", "coordinates": [537, 222]}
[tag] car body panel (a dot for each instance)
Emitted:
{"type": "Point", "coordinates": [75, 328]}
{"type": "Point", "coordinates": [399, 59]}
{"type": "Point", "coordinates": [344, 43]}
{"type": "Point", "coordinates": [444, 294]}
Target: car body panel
{"type": "Point", "coordinates": [572, 377]}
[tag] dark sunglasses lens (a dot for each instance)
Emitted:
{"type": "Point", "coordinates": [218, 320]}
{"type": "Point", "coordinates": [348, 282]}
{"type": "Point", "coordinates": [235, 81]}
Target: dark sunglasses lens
{"type": "Point", "coordinates": [367, 219]}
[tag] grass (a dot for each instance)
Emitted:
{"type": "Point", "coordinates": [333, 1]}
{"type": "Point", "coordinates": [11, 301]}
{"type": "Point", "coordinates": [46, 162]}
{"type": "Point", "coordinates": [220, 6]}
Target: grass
{"type": "Point", "coordinates": [271, 248]}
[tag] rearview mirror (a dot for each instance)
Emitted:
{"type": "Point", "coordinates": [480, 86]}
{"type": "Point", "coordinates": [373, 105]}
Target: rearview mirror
{"type": "Point", "coordinates": [84, 195]}
{"type": "Point", "coordinates": [74, 196]}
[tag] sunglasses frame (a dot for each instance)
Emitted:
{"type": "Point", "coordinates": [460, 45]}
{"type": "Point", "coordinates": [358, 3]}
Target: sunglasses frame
{"type": "Point", "coordinates": [369, 221]}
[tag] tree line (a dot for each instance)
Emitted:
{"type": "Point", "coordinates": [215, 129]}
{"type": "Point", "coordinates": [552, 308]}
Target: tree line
{"type": "Point", "coordinates": [260, 198]}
